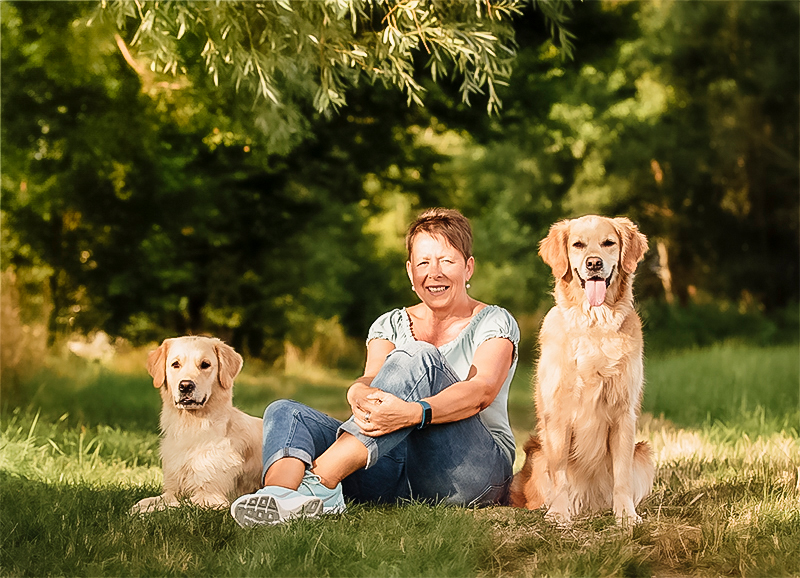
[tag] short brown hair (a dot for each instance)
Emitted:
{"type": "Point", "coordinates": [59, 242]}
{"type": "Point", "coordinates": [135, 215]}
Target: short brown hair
{"type": "Point", "coordinates": [448, 223]}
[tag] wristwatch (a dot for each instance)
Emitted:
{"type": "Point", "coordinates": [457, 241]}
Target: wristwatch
{"type": "Point", "coordinates": [427, 414]}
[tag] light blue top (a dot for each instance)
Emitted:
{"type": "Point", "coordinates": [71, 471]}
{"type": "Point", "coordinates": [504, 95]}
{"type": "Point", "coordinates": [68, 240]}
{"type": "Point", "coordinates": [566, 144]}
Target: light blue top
{"type": "Point", "coordinates": [491, 321]}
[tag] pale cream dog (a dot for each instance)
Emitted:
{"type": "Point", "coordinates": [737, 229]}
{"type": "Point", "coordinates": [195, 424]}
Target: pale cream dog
{"type": "Point", "coordinates": [210, 451]}
{"type": "Point", "coordinates": [589, 380]}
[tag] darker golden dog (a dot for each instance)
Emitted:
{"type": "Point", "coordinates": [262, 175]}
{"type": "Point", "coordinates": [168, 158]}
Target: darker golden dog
{"type": "Point", "coordinates": [589, 378]}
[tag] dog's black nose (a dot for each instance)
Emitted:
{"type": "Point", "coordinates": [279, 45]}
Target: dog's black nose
{"type": "Point", "coordinates": [186, 386]}
{"type": "Point", "coordinates": [594, 264]}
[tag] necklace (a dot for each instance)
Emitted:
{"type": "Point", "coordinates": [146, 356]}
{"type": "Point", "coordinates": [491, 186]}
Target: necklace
{"type": "Point", "coordinates": [411, 326]}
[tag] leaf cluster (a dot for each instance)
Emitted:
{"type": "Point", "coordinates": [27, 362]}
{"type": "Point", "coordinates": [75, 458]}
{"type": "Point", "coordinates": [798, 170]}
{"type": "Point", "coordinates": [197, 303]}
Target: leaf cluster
{"type": "Point", "coordinates": [283, 50]}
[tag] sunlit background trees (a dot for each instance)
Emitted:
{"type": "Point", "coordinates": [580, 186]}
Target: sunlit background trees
{"type": "Point", "coordinates": [156, 189]}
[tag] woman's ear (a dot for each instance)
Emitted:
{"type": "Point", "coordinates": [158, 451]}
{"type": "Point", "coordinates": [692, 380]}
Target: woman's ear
{"type": "Point", "coordinates": [230, 363]}
{"type": "Point", "coordinates": [410, 274]}
{"type": "Point", "coordinates": [634, 244]}
{"type": "Point", "coordinates": [470, 267]}
{"type": "Point", "coordinates": [157, 364]}
{"type": "Point", "coordinates": [553, 249]}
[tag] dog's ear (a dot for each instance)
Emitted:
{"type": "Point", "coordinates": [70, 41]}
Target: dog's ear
{"type": "Point", "coordinates": [157, 364]}
{"type": "Point", "coordinates": [634, 244]}
{"type": "Point", "coordinates": [230, 363]}
{"type": "Point", "coordinates": [553, 249]}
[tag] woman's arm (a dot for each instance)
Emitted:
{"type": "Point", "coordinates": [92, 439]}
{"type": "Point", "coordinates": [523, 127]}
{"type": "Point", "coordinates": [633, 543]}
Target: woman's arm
{"type": "Point", "coordinates": [377, 350]}
{"type": "Point", "coordinates": [463, 399]}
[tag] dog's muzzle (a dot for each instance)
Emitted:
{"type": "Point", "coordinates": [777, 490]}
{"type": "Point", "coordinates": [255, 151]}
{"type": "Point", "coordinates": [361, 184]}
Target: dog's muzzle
{"type": "Point", "coordinates": [592, 282]}
{"type": "Point", "coordinates": [186, 389]}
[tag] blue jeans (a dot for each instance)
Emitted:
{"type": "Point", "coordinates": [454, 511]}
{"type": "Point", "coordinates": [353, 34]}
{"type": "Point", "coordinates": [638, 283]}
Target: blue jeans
{"type": "Point", "coordinates": [458, 463]}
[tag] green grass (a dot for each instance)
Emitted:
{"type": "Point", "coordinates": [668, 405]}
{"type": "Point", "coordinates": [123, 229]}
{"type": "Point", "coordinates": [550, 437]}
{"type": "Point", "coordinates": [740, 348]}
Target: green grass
{"type": "Point", "coordinates": [79, 446]}
{"type": "Point", "coordinates": [723, 382]}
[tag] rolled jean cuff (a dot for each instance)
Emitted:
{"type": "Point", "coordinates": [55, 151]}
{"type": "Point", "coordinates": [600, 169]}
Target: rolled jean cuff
{"type": "Point", "coordinates": [301, 455]}
{"type": "Point", "coordinates": [372, 446]}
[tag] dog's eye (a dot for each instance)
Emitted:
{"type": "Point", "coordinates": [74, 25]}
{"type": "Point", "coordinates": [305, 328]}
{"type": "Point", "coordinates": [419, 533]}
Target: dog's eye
{"type": "Point", "coordinates": [205, 364]}
{"type": "Point", "coordinates": [609, 243]}
{"type": "Point", "coordinates": [176, 364]}
{"type": "Point", "coordinates": [579, 244]}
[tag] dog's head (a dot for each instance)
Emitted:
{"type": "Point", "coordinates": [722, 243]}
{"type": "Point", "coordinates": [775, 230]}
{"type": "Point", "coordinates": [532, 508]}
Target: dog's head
{"type": "Point", "coordinates": [595, 252]}
{"type": "Point", "coordinates": [190, 368]}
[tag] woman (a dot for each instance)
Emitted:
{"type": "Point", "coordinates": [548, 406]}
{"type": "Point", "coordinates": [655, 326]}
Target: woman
{"type": "Point", "coordinates": [429, 419]}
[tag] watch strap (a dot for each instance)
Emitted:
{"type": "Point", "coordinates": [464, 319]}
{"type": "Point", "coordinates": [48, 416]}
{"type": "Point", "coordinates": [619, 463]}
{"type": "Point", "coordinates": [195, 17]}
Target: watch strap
{"type": "Point", "coordinates": [427, 414]}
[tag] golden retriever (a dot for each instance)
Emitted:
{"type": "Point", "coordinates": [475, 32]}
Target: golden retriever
{"type": "Point", "coordinates": [210, 451]}
{"type": "Point", "coordinates": [589, 379]}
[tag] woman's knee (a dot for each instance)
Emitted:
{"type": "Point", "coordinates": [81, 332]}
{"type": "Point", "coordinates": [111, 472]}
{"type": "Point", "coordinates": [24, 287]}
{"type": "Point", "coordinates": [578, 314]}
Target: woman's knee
{"type": "Point", "coordinates": [414, 351]}
{"type": "Point", "coordinates": [281, 408]}
{"type": "Point", "coordinates": [415, 368]}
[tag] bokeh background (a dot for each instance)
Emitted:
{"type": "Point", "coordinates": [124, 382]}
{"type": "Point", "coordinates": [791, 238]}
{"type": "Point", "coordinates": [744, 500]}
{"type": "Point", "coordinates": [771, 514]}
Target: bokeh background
{"type": "Point", "coordinates": [147, 206]}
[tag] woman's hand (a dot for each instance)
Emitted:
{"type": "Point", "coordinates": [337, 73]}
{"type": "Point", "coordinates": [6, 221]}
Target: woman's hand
{"type": "Point", "coordinates": [379, 413]}
{"type": "Point", "coordinates": [357, 398]}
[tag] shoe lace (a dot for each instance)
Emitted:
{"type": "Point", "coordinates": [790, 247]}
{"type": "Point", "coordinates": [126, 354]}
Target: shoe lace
{"type": "Point", "coordinates": [309, 480]}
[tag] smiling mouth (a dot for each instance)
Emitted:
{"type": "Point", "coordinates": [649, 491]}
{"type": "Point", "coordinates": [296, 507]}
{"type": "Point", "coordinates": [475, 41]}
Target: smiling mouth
{"type": "Point", "coordinates": [189, 403]}
{"type": "Point", "coordinates": [595, 288]}
{"type": "Point", "coordinates": [438, 289]}
{"type": "Point", "coordinates": [596, 278]}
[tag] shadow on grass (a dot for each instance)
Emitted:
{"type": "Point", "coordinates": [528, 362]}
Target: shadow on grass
{"type": "Point", "coordinates": [81, 530]}
{"type": "Point", "coordinates": [740, 526]}
{"type": "Point", "coordinates": [72, 530]}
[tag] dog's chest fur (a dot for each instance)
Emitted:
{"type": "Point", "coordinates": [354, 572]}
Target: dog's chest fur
{"type": "Point", "coordinates": [208, 453]}
{"type": "Point", "coordinates": [602, 353]}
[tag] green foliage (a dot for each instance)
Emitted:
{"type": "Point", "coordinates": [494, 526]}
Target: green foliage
{"type": "Point", "coordinates": [697, 325]}
{"type": "Point", "coordinates": [147, 205]}
{"type": "Point", "coordinates": [283, 51]}
{"type": "Point", "coordinates": [189, 224]}
{"type": "Point", "coordinates": [673, 113]}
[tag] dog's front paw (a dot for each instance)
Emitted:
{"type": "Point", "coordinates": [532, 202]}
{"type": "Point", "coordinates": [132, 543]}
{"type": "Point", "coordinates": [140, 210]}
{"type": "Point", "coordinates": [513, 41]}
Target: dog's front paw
{"type": "Point", "coordinates": [212, 501]}
{"type": "Point", "coordinates": [148, 505]}
{"type": "Point", "coordinates": [625, 511]}
{"type": "Point", "coordinates": [558, 517]}
{"type": "Point", "coordinates": [627, 518]}
{"type": "Point", "coordinates": [559, 511]}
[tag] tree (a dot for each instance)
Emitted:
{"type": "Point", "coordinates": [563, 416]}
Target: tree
{"type": "Point", "coordinates": [682, 115]}
{"type": "Point", "coordinates": [153, 205]}
{"type": "Point", "coordinates": [152, 212]}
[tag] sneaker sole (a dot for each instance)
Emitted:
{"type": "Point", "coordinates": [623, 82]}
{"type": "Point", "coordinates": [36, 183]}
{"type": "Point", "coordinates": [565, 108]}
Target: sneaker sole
{"type": "Point", "coordinates": [340, 509]}
{"type": "Point", "coordinates": [258, 510]}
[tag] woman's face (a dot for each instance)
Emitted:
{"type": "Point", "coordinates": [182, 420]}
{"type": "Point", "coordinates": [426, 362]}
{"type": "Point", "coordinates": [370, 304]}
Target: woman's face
{"type": "Point", "coordinates": [437, 270]}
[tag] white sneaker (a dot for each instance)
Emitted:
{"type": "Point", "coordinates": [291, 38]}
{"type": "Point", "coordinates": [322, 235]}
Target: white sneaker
{"type": "Point", "coordinates": [332, 500]}
{"type": "Point", "coordinates": [273, 505]}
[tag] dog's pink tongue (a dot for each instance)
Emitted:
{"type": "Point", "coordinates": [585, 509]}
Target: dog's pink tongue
{"type": "Point", "coordinates": [595, 292]}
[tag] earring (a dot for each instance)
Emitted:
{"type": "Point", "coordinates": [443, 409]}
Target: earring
{"type": "Point", "coordinates": [412, 287]}
{"type": "Point", "coordinates": [468, 285]}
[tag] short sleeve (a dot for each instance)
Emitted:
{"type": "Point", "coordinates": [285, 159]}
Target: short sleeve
{"type": "Point", "coordinates": [498, 323]}
{"type": "Point", "coordinates": [389, 326]}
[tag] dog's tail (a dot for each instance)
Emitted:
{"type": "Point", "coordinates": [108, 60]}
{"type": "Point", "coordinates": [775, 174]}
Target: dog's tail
{"type": "Point", "coordinates": [526, 487]}
{"type": "Point", "coordinates": [644, 472]}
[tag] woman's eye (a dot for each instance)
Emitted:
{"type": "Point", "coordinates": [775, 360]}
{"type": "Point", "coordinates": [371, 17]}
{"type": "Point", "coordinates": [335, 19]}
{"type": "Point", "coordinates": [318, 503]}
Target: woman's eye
{"type": "Point", "coordinates": [205, 364]}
